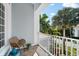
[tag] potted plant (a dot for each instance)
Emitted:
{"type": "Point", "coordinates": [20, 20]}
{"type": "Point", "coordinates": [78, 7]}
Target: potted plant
{"type": "Point", "coordinates": [28, 45]}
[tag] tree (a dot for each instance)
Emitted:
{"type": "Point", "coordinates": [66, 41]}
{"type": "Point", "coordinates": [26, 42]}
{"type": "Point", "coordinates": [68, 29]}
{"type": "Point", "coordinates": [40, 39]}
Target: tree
{"type": "Point", "coordinates": [75, 17]}
{"type": "Point", "coordinates": [44, 23]}
{"type": "Point", "coordinates": [56, 31]}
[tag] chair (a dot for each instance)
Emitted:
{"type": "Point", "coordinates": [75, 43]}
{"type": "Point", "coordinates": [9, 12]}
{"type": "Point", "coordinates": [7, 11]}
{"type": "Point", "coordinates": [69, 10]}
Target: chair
{"type": "Point", "coordinates": [14, 42]}
{"type": "Point", "coordinates": [16, 45]}
{"type": "Point", "coordinates": [21, 43]}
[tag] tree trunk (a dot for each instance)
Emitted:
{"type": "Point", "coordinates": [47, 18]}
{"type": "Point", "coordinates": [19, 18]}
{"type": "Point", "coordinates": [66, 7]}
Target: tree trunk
{"type": "Point", "coordinates": [70, 32]}
{"type": "Point", "coordinates": [64, 32]}
{"type": "Point", "coordinates": [64, 40]}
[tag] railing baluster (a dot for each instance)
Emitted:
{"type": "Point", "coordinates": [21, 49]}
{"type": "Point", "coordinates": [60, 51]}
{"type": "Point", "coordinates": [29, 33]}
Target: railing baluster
{"type": "Point", "coordinates": [51, 41]}
{"type": "Point", "coordinates": [71, 47]}
{"type": "Point", "coordinates": [59, 46]}
{"type": "Point", "coordinates": [77, 48]}
{"type": "Point", "coordinates": [54, 45]}
{"type": "Point", "coordinates": [62, 46]}
{"type": "Point", "coordinates": [48, 43]}
{"type": "Point", "coordinates": [66, 48]}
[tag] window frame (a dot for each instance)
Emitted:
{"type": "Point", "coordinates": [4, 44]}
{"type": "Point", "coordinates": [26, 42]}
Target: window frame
{"type": "Point", "coordinates": [2, 25]}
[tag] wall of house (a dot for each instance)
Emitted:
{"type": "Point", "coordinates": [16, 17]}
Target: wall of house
{"type": "Point", "coordinates": [23, 21]}
{"type": "Point", "coordinates": [76, 31]}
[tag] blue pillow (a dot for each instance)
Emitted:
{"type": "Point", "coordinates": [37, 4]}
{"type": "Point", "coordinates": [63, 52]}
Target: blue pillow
{"type": "Point", "coordinates": [14, 52]}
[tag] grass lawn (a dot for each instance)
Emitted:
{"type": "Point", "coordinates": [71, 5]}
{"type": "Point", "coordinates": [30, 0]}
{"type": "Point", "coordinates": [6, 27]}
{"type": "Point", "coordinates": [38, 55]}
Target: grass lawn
{"type": "Point", "coordinates": [73, 51]}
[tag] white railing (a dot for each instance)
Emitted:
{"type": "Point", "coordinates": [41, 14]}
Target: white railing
{"type": "Point", "coordinates": [60, 46]}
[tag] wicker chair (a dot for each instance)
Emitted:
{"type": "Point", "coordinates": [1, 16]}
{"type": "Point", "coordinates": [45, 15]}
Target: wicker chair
{"type": "Point", "coordinates": [21, 43]}
{"type": "Point", "coordinates": [17, 43]}
{"type": "Point", "coordinates": [14, 42]}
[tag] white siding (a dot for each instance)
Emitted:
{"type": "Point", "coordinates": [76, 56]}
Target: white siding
{"type": "Point", "coordinates": [23, 21]}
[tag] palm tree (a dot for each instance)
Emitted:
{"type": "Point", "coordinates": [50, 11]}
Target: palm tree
{"type": "Point", "coordinates": [44, 23]}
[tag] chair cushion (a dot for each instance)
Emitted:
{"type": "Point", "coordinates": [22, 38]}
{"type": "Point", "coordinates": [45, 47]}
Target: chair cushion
{"type": "Point", "coordinates": [14, 52]}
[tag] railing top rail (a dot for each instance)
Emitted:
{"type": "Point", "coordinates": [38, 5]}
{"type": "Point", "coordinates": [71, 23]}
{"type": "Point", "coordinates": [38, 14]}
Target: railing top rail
{"type": "Point", "coordinates": [64, 37]}
{"type": "Point", "coordinates": [59, 37]}
{"type": "Point", "coordinates": [45, 37]}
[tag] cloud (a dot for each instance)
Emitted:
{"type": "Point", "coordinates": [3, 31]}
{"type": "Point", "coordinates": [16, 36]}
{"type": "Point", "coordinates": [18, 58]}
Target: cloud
{"type": "Point", "coordinates": [52, 4]}
{"type": "Point", "coordinates": [52, 14]}
{"type": "Point", "coordinates": [73, 5]}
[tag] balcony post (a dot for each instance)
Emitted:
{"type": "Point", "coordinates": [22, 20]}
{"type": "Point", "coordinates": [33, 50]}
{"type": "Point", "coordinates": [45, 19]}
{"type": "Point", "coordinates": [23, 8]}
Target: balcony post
{"type": "Point", "coordinates": [37, 12]}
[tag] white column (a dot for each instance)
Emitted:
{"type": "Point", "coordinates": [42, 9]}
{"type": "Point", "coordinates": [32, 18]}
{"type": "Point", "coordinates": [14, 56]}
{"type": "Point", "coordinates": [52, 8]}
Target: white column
{"type": "Point", "coordinates": [37, 12]}
{"type": "Point", "coordinates": [36, 27]}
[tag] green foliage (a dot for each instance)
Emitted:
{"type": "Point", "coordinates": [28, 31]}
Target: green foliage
{"type": "Point", "coordinates": [62, 18]}
{"type": "Point", "coordinates": [75, 16]}
{"type": "Point", "coordinates": [44, 23]}
{"type": "Point", "coordinates": [56, 31]}
{"type": "Point", "coordinates": [28, 45]}
{"type": "Point", "coordinates": [66, 18]}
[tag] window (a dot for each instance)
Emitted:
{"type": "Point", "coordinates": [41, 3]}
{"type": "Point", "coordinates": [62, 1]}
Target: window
{"type": "Point", "coordinates": [2, 25]}
{"type": "Point", "coordinates": [78, 33]}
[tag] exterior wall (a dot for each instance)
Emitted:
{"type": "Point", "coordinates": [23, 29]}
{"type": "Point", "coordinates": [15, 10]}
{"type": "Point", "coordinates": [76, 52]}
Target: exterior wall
{"type": "Point", "coordinates": [23, 21]}
{"type": "Point", "coordinates": [76, 32]}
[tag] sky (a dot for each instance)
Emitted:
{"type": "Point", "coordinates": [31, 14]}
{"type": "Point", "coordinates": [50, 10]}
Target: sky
{"type": "Point", "coordinates": [53, 8]}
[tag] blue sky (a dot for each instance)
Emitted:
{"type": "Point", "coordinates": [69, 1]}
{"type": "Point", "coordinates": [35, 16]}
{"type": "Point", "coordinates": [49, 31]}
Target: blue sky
{"type": "Point", "coordinates": [53, 8]}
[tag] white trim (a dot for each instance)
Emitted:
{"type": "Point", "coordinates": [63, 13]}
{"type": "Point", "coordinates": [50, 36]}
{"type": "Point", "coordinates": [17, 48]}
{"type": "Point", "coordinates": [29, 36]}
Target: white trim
{"type": "Point", "coordinates": [35, 54]}
{"type": "Point", "coordinates": [4, 49]}
{"type": "Point", "coordinates": [45, 50]}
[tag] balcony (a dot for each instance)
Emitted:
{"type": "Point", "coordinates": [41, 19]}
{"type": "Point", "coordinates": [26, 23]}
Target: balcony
{"type": "Point", "coordinates": [54, 45]}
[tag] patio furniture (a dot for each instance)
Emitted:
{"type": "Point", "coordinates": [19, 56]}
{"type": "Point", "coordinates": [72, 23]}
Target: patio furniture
{"type": "Point", "coordinates": [21, 43]}
{"type": "Point", "coordinates": [14, 42]}
{"type": "Point", "coordinates": [17, 43]}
